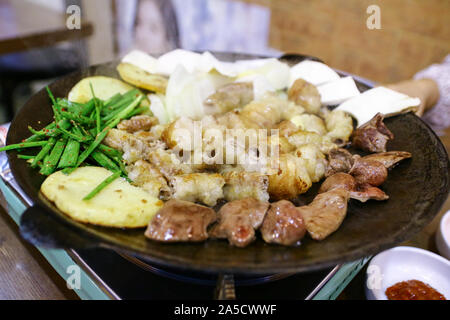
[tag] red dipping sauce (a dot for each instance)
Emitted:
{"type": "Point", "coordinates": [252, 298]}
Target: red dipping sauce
{"type": "Point", "coordinates": [413, 290]}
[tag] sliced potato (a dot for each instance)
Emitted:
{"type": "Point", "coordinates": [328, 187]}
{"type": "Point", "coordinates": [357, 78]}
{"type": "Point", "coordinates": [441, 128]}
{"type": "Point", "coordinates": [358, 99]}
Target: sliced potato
{"type": "Point", "coordinates": [104, 88]}
{"type": "Point", "coordinates": [141, 78]}
{"type": "Point", "coordinates": [120, 204]}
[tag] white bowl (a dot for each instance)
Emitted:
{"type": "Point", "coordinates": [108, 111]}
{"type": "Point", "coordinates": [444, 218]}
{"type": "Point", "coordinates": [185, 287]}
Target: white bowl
{"type": "Point", "coordinates": [406, 263]}
{"type": "Point", "coordinates": [443, 236]}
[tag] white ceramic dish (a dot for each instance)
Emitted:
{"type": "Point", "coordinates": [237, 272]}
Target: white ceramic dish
{"type": "Point", "coordinates": [406, 263]}
{"type": "Point", "coordinates": [443, 236]}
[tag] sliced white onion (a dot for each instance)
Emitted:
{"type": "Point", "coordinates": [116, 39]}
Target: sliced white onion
{"type": "Point", "coordinates": [338, 91]}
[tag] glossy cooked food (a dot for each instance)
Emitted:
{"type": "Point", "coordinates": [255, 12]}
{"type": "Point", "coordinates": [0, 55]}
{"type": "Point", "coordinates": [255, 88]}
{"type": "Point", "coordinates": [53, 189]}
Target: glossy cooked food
{"type": "Point", "coordinates": [308, 146]}
{"type": "Point", "coordinates": [220, 155]}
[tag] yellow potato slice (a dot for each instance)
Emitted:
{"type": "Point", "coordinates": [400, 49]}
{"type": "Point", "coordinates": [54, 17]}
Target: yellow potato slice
{"type": "Point", "coordinates": [120, 204]}
{"type": "Point", "coordinates": [141, 78]}
{"type": "Point", "coordinates": [104, 88]}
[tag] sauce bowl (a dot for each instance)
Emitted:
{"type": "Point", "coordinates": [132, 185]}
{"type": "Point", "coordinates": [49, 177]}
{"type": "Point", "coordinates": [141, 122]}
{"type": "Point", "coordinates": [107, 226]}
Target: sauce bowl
{"type": "Point", "coordinates": [406, 263]}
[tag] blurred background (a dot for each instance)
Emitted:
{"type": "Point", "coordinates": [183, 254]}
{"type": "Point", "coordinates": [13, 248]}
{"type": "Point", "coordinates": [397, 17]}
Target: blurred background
{"type": "Point", "coordinates": [41, 40]}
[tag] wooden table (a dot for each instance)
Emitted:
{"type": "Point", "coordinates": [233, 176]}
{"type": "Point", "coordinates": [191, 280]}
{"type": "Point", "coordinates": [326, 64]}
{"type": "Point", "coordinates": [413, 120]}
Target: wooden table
{"type": "Point", "coordinates": [25, 274]}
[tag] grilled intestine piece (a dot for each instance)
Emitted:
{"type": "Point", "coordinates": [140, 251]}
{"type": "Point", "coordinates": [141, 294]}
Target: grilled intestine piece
{"type": "Point", "coordinates": [132, 147]}
{"type": "Point", "coordinates": [283, 224]}
{"type": "Point", "coordinates": [390, 158]}
{"type": "Point", "coordinates": [325, 213]}
{"type": "Point", "coordinates": [368, 171]}
{"type": "Point", "coordinates": [228, 97]}
{"type": "Point", "coordinates": [238, 221]}
{"type": "Point", "coordinates": [268, 112]}
{"type": "Point", "coordinates": [301, 137]}
{"type": "Point", "coordinates": [180, 134]}
{"type": "Point", "coordinates": [314, 160]}
{"type": "Point", "coordinates": [202, 187]}
{"type": "Point", "coordinates": [339, 160]}
{"type": "Point", "coordinates": [148, 177]}
{"type": "Point", "coordinates": [137, 123]}
{"type": "Point", "coordinates": [361, 192]}
{"type": "Point", "coordinates": [286, 128]}
{"type": "Point", "coordinates": [373, 135]}
{"type": "Point", "coordinates": [310, 122]}
{"type": "Point", "coordinates": [290, 177]}
{"type": "Point", "coordinates": [306, 95]}
{"type": "Point", "coordinates": [339, 125]}
{"type": "Point", "coordinates": [179, 221]}
{"type": "Point", "coordinates": [243, 184]}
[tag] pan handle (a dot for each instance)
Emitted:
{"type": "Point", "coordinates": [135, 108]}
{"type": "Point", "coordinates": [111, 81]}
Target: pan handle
{"type": "Point", "coordinates": [42, 230]}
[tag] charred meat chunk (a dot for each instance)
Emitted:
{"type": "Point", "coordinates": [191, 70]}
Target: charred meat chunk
{"type": "Point", "coordinates": [373, 135]}
{"type": "Point", "coordinates": [179, 221]}
{"type": "Point", "coordinates": [238, 220]}
{"type": "Point", "coordinates": [283, 224]}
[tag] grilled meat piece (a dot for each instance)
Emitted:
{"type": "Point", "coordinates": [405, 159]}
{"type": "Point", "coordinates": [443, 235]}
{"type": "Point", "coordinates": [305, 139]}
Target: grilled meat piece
{"type": "Point", "coordinates": [137, 123]}
{"type": "Point", "coordinates": [306, 95]}
{"type": "Point", "coordinates": [291, 178]}
{"type": "Point", "coordinates": [283, 224]}
{"type": "Point", "coordinates": [338, 180]}
{"type": "Point", "coordinates": [243, 184]}
{"type": "Point", "coordinates": [390, 158]}
{"type": "Point", "coordinates": [339, 160]}
{"type": "Point", "coordinates": [364, 192]}
{"type": "Point", "coordinates": [202, 187]}
{"type": "Point", "coordinates": [179, 221]}
{"type": "Point", "coordinates": [367, 171]}
{"type": "Point", "coordinates": [373, 135]}
{"type": "Point", "coordinates": [286, 128]}
{"type": "Point", "coordinates": [238, 220]}
{"type": "Point", "coordinates": [325, 213]}
{"type": "Point", "coordinates": [361, 192]}
{"type": "Point", "coordinates": [147, 176]}
{"type": "Point", "coordinates": [228, 97]}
